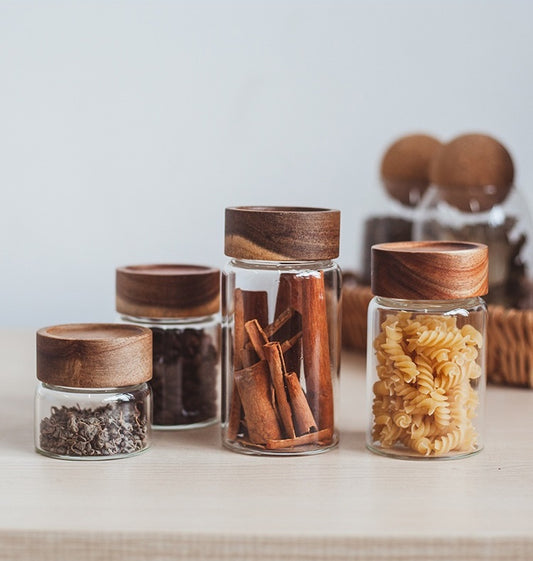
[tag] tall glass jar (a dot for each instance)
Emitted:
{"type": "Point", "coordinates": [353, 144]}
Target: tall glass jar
{"type": "Point", "coordinates": [281, 322]}
{"type": "Point", "coordinates": [180, 304]}
{"type": "Point", "coordinates": [92, 401]}
{"type": "Point", "coordinates": [426, 349]}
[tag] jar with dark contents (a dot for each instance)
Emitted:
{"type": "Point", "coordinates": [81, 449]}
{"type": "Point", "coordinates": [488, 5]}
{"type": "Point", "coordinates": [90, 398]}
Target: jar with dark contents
{"type": "Point", "coordinates": [179, 303]}
{"type": "Point", "coordinates": [92, 401]}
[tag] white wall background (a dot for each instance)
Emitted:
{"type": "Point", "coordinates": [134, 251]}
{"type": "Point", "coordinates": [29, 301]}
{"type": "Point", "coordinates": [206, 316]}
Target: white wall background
{"type": "Point", "coordinates": [127, 127]}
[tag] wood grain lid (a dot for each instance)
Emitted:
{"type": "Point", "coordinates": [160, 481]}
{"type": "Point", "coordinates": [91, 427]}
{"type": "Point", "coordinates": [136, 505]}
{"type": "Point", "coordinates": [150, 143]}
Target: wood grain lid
{"type": "Point", "coordinates": [167, 291]}
{"type": "Point", "coordinates": [94, 355]}
{"type": "Point", "coordinates": [282, 233]}
{"type": "Point", "coordinates": [438, 270]}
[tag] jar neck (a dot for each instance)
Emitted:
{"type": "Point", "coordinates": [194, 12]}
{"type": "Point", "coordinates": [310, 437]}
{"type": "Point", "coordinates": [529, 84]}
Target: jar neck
{"type": "Point", "coordinates": [198, 322]}
{"type": "Point", "coordinates": [110, 390]}
{"type": "Point", "coordinates": [441, 306]}
{"type": "Point", "coordinates": [281, 265]}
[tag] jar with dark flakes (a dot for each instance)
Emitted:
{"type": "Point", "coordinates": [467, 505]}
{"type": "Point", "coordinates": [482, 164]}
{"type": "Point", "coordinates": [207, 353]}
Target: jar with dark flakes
{"type": "Point", "coordinates": [93, 401]}
{"type": "Point", "coordinates": [180, 304]}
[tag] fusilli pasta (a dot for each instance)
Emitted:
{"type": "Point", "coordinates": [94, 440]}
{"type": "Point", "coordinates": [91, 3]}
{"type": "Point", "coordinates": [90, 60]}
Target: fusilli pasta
{"type": "Point", "coordinates": [425, 395]}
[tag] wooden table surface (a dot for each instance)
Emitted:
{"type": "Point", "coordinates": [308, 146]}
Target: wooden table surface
{"type": "Point", "coordinates": [188, 498]}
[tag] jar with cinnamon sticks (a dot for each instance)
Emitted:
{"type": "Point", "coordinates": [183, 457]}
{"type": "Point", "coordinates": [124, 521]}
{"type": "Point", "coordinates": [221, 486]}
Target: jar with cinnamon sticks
{"type": "Point", "coordinates": [281, 330]}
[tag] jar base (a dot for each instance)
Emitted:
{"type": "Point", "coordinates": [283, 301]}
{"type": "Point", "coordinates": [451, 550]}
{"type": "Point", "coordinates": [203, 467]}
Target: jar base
{"type": "Point", "coordinates": [407, 454]}
{"type": "Point", "coordinates": [90, 458]}
{"type": "Point", "coordinates": [306, 450]}
{"type": "Point", "coordinates": [191, 426]}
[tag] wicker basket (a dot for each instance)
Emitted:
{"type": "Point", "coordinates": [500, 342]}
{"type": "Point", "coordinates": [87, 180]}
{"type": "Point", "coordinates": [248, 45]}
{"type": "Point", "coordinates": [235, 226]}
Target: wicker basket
{"type": "Point", "coordinates": [355, 300]}
{"type": "Point", "coordinates": [510, 346]}
{"type": "Point", "coordinates": [509, 335]}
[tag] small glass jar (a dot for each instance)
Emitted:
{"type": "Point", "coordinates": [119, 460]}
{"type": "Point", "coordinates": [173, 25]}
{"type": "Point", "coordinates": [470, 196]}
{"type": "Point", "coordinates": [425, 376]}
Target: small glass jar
{"type": "Point", "coordinates": [92, 401]}
{"type": "Point", "coordinates": [281, 323]}
{"type": "Point", "coordinates": [426, 349]}
{"type": "Point", "coordinates": [180, 304]}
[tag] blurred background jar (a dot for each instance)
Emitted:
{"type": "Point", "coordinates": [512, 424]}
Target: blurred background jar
{"type": "Point", "coordinates": [473, 198]}
{"type": "Point", "coordinates": [404, 176]}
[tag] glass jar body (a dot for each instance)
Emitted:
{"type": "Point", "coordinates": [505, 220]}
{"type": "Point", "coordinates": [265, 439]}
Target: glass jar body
{"type": "Point", "coordinates": [92, 423]}
{"type": "Point", "coordinates": [281, 356]}
{"type": "Point", "coordinates": [476, 216]}
{"type": "Point", "coordinates": [185, 370]}
{"type": "Point", "coordinates": [426, 377]}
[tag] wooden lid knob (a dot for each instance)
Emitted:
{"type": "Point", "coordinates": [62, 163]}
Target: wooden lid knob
{"type": "Point", "coordinates": [474, 171]}
{"type": "Point", "coordinates": [430, 270]}
{"type": "Point", "coordinates": [405, 167]}
{"type": "Point", "coordinates": [93, 355]}
{"type": "Point", "coordinates": [167, 291]}
{"type": "Point", "coordinates": [282, 233]}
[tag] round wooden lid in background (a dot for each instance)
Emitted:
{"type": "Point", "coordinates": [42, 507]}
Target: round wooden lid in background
{"type": "Point", "coordinates": [405, 167]}
{"type": "Point", "coordinates": [167, 291]}
{"type": "Point", "coordinates": [474, 171]}
{"type": "Point", "coordinates": [94, 355]}
{"type": "Point", "coordinates": [282, 233]}
{"type": "Point", "coordinates": [430, 270]}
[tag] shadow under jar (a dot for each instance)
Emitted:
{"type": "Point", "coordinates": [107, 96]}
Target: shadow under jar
{"type": "Point", "coordinates": [426, 349]}
{"type": "Point", "coordinates": [180, 304]}
{"type": "Point", "coordinates": [280, 317]}
{"type": "Point", "coordinates": [92, 401]}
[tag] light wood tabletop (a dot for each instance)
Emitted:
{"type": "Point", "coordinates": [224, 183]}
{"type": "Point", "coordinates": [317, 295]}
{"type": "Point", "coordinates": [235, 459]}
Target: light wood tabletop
{"type": "Point", "coordinates": [188, 498]}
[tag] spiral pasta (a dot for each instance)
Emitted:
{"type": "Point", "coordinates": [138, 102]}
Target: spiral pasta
{"type": "Point", "coordinates": [425, 396]}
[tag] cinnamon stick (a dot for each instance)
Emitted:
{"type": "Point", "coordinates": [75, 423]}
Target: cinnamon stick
{"type": "Point", "coordinates": [246, 305]}
{"type": "Point", "coordinates": [321, 437]}
{"type": "Point", "coordinates": [287, 299]}
{"type": "Point", "coordinates": [276, 365]}
{"type": "Point", "coordinates": [315, 342]}
{"type": "Point", "coordinates": [254, 388]}
{"type": "Point", "coordinates": [289, 343]}
{"type": "Point", "coordinates": [257, 337]}
{"type": "Point", "coordinates": [279, 321]}
{"type": "Point", "coordinates": [304, 422]}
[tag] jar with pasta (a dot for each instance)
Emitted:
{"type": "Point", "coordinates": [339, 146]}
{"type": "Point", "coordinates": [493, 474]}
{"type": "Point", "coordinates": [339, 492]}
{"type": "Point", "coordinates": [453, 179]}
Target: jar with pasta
{"type": "Point", "coordinates": [426, 349]}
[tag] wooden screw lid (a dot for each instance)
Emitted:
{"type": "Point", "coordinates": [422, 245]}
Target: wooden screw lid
{"type": "Point", "coordinates": [430, 270]}
{"type": "Point", "coordinates": [167, 291]}
{"type": "Point", "coordinates": [282, 233]}
{"type": "Point", "coordinates": [94, 355]}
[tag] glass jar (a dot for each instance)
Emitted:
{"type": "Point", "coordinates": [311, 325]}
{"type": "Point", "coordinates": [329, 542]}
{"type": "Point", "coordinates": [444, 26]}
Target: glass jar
{"type": "Point", "coordinates": [426, 349]}
{"type": "Point", "coordinates": [180, 304]}
{"type": "Point", "coordinates": [92, 401]}
{"type": "Point", "coordinates": [281, 327]}
{"type": "Point", "coordinates": [404, 177]}
{"type": "Point", "coordinates": [482, 215]}
{"type": "Point", "coordinates": [473, 198]}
